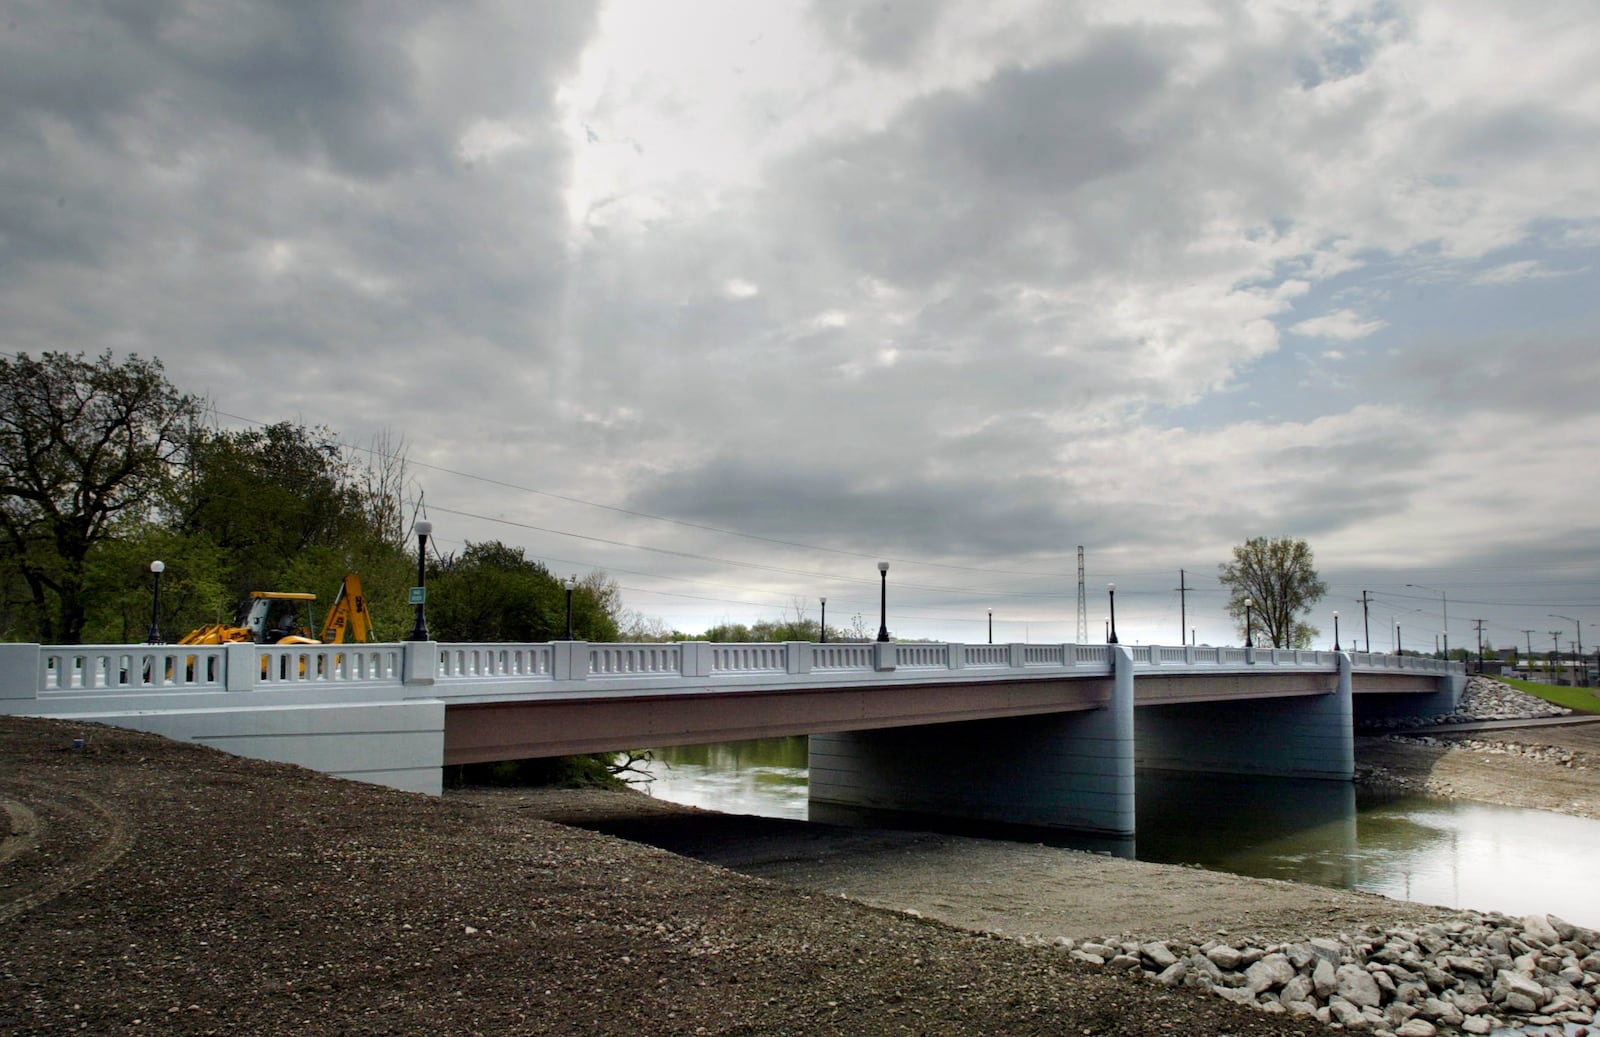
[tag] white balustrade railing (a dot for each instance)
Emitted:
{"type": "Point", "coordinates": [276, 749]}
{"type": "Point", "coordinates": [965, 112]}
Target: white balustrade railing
{"type": "Point", "coordinates": [532, 661]}
{"type": "Point", "coordinates": [848, 655]}
{"type": "Point", "coordinates": [329, 664]}
{"type": "Point", "coordinates": [622, 659]}
{"type": "Point", "coordinates": [125, 669]}
{"type": "Point", "coordinates": [987, 655]}
{"type": "Point", "coordinates": [113, 668]}
{"type": "Point", "coordinates": [921, 656]}
{"type": "Point", "coordinates": [749, 658]}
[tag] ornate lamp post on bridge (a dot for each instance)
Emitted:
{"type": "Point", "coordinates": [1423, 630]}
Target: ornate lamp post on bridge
{"type": "Point", "coordinates": [883, 601]}
{"type": "Point", "coordinates": [991, 626]}
{"type": "Point", "coordinates": [1249, 617]}
{"type": "Point", "coordinates": [1111, 620]}
{"type": "Point", "coordinates": [154, 636]}
{"type": "Point", "coordinates": [822, 633]}
{"type": "Point", "coordinates": [1335, 630]}
{"type": "Point", "coordinates": [419, 630]}
{"type": "Point", "coordinates": [569, 583]}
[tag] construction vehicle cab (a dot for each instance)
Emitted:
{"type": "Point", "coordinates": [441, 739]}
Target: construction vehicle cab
{"type": "Point", "coordinates": [284, 618]}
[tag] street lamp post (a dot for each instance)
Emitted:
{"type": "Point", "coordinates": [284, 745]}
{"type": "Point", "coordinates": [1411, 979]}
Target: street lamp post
{"type": "Point", "coordinates": [570, 583]}
{"type": "Point", "coordinates": [419, 630]}
{"type": "Point", "coordinates": [991, 626]}
{"type": "Point", "coordinates": [883, 601]}
{"type": "Point", "coordinates": [822, 634]}
{"type": "Point", "coordinates": [1444, 614]}
{"type": "Point", "coordinates": [1335, 630]}
{"type": "Point", "coordinates": [154, 636]}
{"type": "Point", "coordinates": [1111, 620]}
{"type": "Point", "coordinates": [1249, 616]}
{"type": "Point", "coordinates": [1579, 625]}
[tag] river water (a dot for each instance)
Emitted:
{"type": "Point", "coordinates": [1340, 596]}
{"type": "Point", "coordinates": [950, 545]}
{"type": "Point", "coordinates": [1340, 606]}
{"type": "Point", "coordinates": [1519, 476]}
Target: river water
{"type": "Point", "coordinates": [1432, 851]}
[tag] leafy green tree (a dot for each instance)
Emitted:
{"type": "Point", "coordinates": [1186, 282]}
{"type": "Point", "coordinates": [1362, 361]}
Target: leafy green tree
{"type": "Point", "coordinates": [1279, 578]}
{"type": "Point", "coordinates": [494, 592]}
{"type": "Point", "coordinates": [265, 496]}
{"type": "Point", "coordinates": [85, 447]}
{"type": "Point", "coordinates": [118, 583]}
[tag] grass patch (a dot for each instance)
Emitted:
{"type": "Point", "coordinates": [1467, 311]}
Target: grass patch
{"type": "Point", "coordinates": [1579, 700]}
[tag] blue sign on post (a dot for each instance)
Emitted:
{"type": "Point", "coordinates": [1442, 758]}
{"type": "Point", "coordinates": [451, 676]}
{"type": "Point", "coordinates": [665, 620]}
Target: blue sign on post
{"type": "Point", "coordinates": [417, 596]}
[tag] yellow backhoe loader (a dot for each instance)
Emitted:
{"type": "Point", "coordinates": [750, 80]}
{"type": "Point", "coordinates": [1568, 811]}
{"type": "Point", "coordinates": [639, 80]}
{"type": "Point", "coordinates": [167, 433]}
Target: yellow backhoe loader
{"type": "Point", "coordinates": [284, 618]}
{"type": "Point", "coordinates": [289, 613]}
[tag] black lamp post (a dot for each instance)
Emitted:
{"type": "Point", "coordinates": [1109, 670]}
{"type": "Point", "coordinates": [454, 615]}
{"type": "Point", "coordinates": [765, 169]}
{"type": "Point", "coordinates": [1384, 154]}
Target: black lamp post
{"type": "Point", "coordinates": [822, 632]}
{"type": "Point", "coordinates": [1249, 624]}
{"type": "Point", "coordinates": [419, 630]}
{"type": "Point", "coordinates": [1111, 620]}
{"type": "Point", "coordinates": [1335, 630]}
{"type": "Point", "coordinates": [154, 636]}
{"type": "Point", "coordinates": [569, 583]}
{"type": "Point", "coordinates": [991, 626]}
{"type": "Point", "coordinates": [883, 602]}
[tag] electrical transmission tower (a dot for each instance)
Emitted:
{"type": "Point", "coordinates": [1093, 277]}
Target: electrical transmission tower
{"type": "Point", "coordinates": [1083, 608]}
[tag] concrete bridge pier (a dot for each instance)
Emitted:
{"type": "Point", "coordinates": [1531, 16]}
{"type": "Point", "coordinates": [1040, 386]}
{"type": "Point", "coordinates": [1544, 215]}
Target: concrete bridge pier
{"type": "Point", "coordinates": [1307, 732]}
{"type": "Point", "coordinates": [1071, 770]}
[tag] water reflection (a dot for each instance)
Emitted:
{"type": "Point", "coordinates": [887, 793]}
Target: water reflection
{"type": "Point", "coordinates": [765, 777]}
{"type": "Point", "coordinates": [1432, 851]}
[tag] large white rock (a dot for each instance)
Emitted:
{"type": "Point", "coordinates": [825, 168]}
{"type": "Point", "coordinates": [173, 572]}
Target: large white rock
{"type": "Point", "coordinates": [1357, 986]}
{"type": "Point", "coordinates": [1540, 931]}
{"type": "Point", "coordinates": [1324, 979]}
{"type": "Point", "coordinates": [1270, 972]}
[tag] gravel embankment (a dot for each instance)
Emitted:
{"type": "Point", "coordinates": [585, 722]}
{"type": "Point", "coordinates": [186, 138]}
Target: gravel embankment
{"type": "Point", "coordinates": [147, 886]}
{"type": "Point", "coordinates": [150, 886]}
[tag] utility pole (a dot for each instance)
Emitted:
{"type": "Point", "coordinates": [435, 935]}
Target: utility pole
{"type": "Point", "coordinates": [1529, 635]}
{"type": "Point", "coordinates": [1555, 650]}
{"type": "Point", "coordinates": [1083, 609]}
{"type": "Point", "coordinates": [1366, 626]}
{"type": "Point", "coordinates": [1479, 623]}
{"type": "Point", "coordinates": [1183, 606]}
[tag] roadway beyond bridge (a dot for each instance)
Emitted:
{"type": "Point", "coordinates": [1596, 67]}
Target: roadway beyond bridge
{"type": "Point", "coordinates": [1034, 734]}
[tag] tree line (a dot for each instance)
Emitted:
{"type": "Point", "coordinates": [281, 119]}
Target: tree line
{"type": "Point", "coordinates": [106, 466]}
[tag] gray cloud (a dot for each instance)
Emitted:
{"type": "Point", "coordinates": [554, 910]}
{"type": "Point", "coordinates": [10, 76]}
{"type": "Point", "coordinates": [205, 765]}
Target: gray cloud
{"type": "Point", "coordinates": [980, 288]}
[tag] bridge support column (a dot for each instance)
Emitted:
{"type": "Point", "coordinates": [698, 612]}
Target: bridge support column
{"type": "Point", "coordinates": [1305, 736]}
{"type": "Point", "coordinates": [1070, 771]}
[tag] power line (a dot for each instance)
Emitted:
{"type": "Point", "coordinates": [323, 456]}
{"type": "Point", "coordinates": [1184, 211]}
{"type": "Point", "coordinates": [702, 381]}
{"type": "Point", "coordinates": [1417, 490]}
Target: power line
{"type": "Point", "coordinates": [673, 521]}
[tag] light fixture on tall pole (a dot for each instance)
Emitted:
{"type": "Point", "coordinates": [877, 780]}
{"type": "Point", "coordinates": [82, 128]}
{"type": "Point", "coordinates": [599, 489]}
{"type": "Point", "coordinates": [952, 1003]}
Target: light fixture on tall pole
{"type": "Point", "coordinates": [1111, 620]}
{"type": "Point", "coordinates": [991, 626]}
{"type": "Point", "coordinates": [1249, 604]}
{"type": "Point", "coordinates": [822, 633]}
{"type": "Point", "coordinates": [1335, 630]}
{"type": "Point", "coordinates": [1579, 625]}
{"type": "Point", "coordinates": [883, 601]}
{"type": "Point", "coordinates": [1444, 614]}
{"type": "Point", "coordinates": [419, 630]}
{"type": "Point", "coordinates": [154, 636]}
{"type": "Point", "coordinates": [570, 583]}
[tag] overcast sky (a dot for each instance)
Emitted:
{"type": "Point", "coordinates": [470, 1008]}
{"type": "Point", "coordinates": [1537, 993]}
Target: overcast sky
{"type": "Point", "coordinates": [732, 300]}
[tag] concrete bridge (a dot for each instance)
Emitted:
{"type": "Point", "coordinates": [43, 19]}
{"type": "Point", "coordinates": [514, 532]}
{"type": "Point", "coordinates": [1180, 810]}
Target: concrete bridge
{"type": "Point", "coordinates": [1038, 734]}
